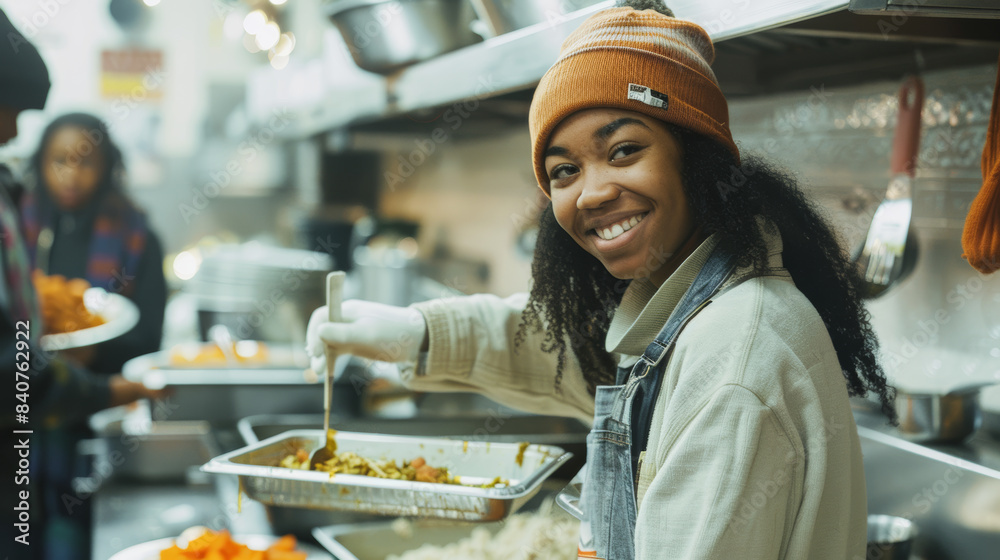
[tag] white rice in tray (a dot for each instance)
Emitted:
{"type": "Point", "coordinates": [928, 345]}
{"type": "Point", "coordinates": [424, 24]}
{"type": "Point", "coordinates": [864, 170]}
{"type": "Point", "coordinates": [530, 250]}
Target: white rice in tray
{"type": "Point", "coordinates": [544, 535]}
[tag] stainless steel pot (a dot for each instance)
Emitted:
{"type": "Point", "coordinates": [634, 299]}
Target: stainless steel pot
{"type": "Point", "coordinates": [940, 417]}
{"type": "Point", "coordinates": [990, 403]}
{"type": "Point", "coordinates": [383, 36]}
{"type": "Point", "coordinates": [259, 292]}
{"type": "Point", "coordinates": [890, 538]}
{"type": "Point", "coordinates": [386, 275]}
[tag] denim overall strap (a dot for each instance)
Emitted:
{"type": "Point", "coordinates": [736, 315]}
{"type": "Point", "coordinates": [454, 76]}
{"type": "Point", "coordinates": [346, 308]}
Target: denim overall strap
{"type": "Point", "coordinates": [608, 500]}
{"type": "Point", "coordinates": [711, 277]}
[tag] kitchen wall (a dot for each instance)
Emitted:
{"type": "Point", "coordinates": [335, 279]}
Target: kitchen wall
{"type": "Point", "coordinates": [938, 327]}
{"type": "Point", "coordinates": [476, 195]}
{"type": "Point", "coordinates": [941, 326]}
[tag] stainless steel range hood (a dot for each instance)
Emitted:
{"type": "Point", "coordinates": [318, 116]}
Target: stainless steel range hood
{"type": "Point", "coordinates": [928, 8]}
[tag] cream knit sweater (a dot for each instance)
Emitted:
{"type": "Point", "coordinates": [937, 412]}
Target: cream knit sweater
{"type": "Point", "coordinates": [753, 452]}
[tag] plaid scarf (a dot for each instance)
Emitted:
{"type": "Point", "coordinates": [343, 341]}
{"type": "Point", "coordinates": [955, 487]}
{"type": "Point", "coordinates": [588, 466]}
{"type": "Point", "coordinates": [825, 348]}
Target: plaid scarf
{"type": "Point", "coordinates": [116, 244]}
{"type": "Point", "coordinates": [16, 266]}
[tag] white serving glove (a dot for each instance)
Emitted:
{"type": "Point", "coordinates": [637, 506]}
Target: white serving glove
{"type": "Point", "coordinates": [371, 330]}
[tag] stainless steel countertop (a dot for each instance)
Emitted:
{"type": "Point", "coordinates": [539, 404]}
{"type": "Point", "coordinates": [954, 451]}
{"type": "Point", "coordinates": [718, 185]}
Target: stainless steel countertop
{"type": "Point", "coordinates": [131, 512]}
{"type": "Point", "coordinates": [126, 514]}
{"type": "Point", "coordinates": [980, 453]}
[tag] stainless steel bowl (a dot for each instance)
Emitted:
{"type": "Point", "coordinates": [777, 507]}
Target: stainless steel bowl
{"type": "Point", "coordinates": [383, 36]}
{"type": "Point", "coordinates": [890, 538]}
{"type": "Point", "coordinates": [503, 16]}
{"type": "Point", "coordinates": [938, 418]}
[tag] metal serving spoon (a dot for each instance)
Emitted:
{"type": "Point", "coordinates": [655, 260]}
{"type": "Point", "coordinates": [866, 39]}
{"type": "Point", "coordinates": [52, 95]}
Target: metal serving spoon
{"type": "Point", "coordinates": [334, 298]}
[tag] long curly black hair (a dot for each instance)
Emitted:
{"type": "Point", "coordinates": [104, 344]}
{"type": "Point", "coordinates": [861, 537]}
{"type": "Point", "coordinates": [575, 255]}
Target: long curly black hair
{"type": "Point", "coordinates": [573, 297]}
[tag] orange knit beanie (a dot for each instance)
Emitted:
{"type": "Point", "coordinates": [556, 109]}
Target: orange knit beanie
{"type": "Point", "coordinates": [639, 60]}
{"type": "Point", "coordinates": [981, 236]}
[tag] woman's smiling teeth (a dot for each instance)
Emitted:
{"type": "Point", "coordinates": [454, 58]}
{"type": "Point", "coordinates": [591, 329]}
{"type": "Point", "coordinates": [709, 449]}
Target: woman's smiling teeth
{"type": "Point", "coordinates": [621, 227]}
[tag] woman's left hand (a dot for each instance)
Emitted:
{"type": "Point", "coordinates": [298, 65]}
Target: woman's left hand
{"type": "Point", "coordinates": [124, 391]}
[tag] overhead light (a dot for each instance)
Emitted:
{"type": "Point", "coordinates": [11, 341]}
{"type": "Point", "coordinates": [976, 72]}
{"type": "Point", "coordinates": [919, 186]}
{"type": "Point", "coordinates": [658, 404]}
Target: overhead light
{"type": "Point", "coordinates": [268, 36]}
{"type": "Point", "coordinates": [278, 2]}
{"type": "Point", "coordinates": [254, 22]}
{"type": "Point", "coordinates": [285, 45]}
{"type": "Point", "coordinates": [250, 44]}
{"type": "Point", "coordinates": [232, 26]}
{"type": "Point", "coordinates": [150, 3]}
{"type": "Point", "coordinates": [279, 62]}
{"type": "Point", "coordinates": [186, 264]}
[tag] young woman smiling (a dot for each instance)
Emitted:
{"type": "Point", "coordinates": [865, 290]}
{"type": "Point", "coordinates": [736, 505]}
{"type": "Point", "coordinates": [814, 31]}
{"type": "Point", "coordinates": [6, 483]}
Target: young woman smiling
{"type": "Point", "coordinates": [686, 299]}
{"type": "Point", "coordinates": [610, 169]}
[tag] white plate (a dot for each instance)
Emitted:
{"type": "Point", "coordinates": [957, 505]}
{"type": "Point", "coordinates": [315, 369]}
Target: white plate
{"type": "Point", "coordinates": [118, 312]}
{"type": "Point", "coordinates": [151, 550]}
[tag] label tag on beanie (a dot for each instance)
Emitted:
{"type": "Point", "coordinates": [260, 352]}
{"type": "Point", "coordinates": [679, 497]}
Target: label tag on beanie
{"type": "Point", "coordinates": [647, 96]}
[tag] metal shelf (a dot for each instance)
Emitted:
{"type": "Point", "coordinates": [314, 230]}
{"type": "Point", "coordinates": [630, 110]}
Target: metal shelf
{"type": "Point", "coordinates": [517, 60]}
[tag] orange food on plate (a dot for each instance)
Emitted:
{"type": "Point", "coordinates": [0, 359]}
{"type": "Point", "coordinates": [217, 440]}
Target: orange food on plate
{"type": "Point", "coordinates": [247, 353]}
{"type": "Point", "coordinates": [219, 545]}
{"type": "Point", "coordinates": [62, 303]}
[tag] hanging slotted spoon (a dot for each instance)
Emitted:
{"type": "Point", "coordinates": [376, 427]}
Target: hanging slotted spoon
{"type": "Point", "coordinates": [882, 259]}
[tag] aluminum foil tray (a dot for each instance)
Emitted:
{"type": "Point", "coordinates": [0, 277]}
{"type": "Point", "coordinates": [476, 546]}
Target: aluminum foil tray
{"type": "Point", "coordinates": [284, 366]}
{"type": "Point", "coordinates": [378, 541]}
{"type": "Point", "coordinates": [474, 462]}
{"type": "Point", "coordinates": [224, 395]}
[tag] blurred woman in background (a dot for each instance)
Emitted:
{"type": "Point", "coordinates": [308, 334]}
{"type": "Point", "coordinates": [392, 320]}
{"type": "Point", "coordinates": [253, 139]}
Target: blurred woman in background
{"type": "Point", "coordinates": [79, 223]}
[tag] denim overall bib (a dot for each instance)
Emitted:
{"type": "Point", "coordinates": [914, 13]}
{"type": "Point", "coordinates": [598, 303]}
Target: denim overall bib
{"type": "Point", "coordinates": [622, 416]}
